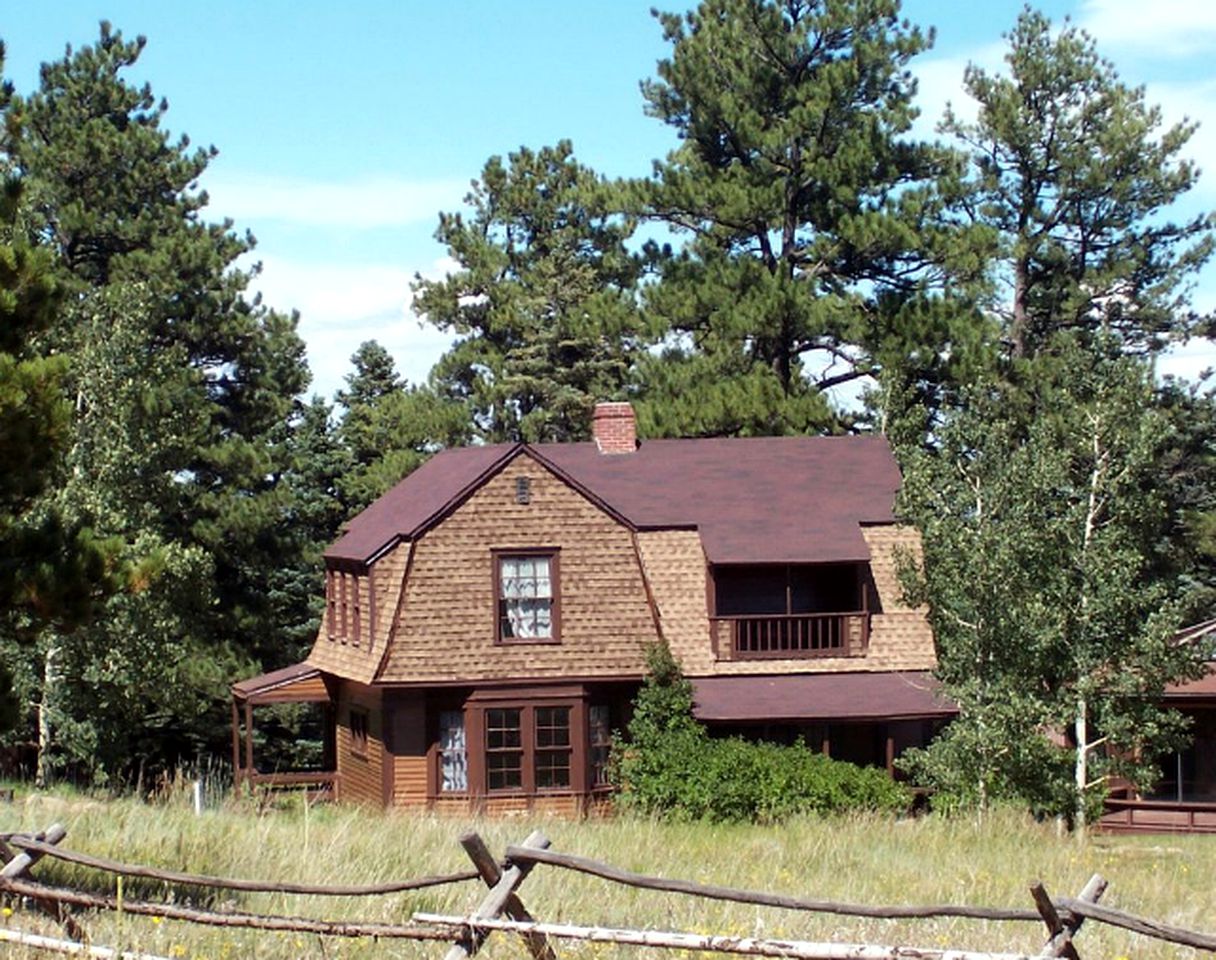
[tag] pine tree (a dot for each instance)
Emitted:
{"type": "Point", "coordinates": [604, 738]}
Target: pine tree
{"type": "Point", "coordinates": [814, 223]}
{"type": "Point", "coordinates": [388, 427]}
{"type": "Point", "coordinates": [188, 462]}
{"type": "Point", "coordinates": [1076, 173]}
{"type": "Point", "coordinates": [543, 304]}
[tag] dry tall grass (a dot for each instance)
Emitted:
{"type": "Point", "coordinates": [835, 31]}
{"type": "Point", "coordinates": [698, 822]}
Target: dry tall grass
{"type": "Point", "coordinates": [868, 860]}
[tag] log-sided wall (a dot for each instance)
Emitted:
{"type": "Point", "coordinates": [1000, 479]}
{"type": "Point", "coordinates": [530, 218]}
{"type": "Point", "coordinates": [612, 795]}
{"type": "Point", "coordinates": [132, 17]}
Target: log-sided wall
{"type": "Point", "coordinates": [360, 771]}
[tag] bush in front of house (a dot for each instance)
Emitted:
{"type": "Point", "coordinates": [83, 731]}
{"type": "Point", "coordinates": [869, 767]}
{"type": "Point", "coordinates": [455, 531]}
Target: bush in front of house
{"type": "Point", "coordinates": [671, 767]}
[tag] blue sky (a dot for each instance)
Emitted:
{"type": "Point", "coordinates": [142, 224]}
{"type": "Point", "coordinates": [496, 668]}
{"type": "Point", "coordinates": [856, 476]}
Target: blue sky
{"type": "Point", "coordinates": [344, 129]}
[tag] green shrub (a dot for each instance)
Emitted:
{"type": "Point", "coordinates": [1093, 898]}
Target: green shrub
{"type": "Point", "coordinates": [671, 767]}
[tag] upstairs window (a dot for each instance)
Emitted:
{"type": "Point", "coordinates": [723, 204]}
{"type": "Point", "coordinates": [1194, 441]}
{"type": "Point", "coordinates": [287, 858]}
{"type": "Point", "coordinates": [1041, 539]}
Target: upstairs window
{"type": "Point", "coordinates": [331, 601]}
{"type": "Point", "coordinates": [527, 592]}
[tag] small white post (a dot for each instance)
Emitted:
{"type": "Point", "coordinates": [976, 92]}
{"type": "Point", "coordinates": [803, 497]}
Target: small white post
{"type": "Point", "coordinates": [198, 797]}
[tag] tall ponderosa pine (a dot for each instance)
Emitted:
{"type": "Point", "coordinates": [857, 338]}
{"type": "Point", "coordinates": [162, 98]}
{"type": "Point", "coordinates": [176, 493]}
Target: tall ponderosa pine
{"type": "Point", "coordinates": [1076, 172]}
{"type": "Point", "coordinates": [814, 226]}
{"type": "Point", "coordinates": [388, 428]}
{"type": "Point", "coordinates": [543, 304]}
{"type": "Point", "coordinates": [115, 201]}
{"type": "Point", "coordinates": [54, 571]}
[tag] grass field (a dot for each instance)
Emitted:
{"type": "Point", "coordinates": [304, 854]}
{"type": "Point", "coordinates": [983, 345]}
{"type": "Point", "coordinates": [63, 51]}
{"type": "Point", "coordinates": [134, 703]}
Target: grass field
{"type": "Point", "coordinates": [878, 861]}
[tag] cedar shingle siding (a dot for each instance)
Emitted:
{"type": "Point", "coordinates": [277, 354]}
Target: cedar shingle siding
{"type": "Point", "coordinates": [446, 630]}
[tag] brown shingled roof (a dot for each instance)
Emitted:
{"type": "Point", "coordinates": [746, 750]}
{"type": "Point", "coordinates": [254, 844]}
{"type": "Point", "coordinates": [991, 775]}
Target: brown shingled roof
{"type": "Point", "coordinates": [754, 500]}
{"type": "Point", "coordinates": [821, 696]}
{"type": "Point", "coordinates": [410, 505]}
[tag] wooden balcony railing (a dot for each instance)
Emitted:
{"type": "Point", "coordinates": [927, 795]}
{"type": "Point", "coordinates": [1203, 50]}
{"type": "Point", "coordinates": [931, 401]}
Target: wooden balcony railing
{"type": "Point", "coordinates": [791, 636]}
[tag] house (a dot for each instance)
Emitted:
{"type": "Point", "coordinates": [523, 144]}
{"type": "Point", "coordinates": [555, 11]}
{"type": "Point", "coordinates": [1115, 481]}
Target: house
{"type": "Point", "coordinates": [486, 620]}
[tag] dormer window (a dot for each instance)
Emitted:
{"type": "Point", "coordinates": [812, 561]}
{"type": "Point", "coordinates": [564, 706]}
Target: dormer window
{"type": "Point", "coordinates": [344, 609]}
{"type": "Point", "coordinates": [526, 587]}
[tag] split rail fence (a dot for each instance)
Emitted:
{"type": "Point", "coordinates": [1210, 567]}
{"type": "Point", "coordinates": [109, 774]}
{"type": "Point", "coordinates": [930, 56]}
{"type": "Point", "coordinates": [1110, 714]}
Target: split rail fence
{"type": "Point", "coordinates": [502, 909]}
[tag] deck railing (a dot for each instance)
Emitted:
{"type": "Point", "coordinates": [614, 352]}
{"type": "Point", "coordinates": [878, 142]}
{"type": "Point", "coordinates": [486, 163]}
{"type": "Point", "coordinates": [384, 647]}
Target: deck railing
{"type": "Point", "coordinates": [319, 784]}
{"type": "Point", "coordinates": [791, 636]}
{"type": "Point", "coordinates": [1158, 816]}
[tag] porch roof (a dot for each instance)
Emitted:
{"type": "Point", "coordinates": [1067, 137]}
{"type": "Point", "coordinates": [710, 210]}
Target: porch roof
{"type": "Point", "coordinates": [821, 696]}
{"type": "Point", "coordinates": [299, 683]}
{"type": "Point", "coordinates": [1202, 689]}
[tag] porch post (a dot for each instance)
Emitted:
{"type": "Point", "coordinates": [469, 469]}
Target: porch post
{"type": "Point", "coordinates": [236, 747]}
{"type": "Point", "coordinates": [249, 740]}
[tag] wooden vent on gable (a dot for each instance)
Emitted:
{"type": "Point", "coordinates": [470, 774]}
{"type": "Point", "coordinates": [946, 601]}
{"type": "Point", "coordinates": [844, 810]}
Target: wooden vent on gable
{"type": "Point", "coordinates": [523, 489]}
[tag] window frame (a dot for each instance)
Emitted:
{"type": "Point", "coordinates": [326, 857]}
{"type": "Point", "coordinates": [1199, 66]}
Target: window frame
{"type": "Point", "coordinates": [441, 753]}
{"type": "Point", "coordinates": [519, 750]}
{"type": "Point", "coordinates": [553, 749]}
{"type": "Point", "coordinates": [359, 720]}
{"type": "Point", "coordinates": [528, 702]}
{"type": "Point", "coordinates": [595, 768]}
{"type": "Point", "coordinates": [553, 555]}
{"type": "Point", "coordinates": [331, 603]}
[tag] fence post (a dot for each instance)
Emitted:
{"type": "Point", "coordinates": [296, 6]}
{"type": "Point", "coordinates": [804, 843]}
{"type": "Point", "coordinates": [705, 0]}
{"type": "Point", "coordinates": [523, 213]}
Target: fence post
{"type": "Point", "coordinates": [19, 866]}
{"type": "Point", "coordinates": [1061, 932]}
{"type": "Point", "coordinates": [502, 896]}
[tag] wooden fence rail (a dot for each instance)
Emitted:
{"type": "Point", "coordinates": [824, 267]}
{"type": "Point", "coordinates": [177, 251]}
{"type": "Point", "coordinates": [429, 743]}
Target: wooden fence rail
{"type": "Point", "coordinates": [709, 892]}
{"type": "Point", "coordinates": [44, 848]}
{"type": "Point", "coordinates": [501, 909]}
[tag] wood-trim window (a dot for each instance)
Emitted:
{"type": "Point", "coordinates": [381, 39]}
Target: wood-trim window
{"type": "Point", "coordinates": [553, 753]}
{"type": "Point", "coordinates": [453, 754]}
{"type": "Point", "coordinates": [527, 595]}
{"type": "Point", "coordinates": [356, 611]}
{"type": "Point", "coordinates": [504, 748]}
{"type": "Point", "coordinates": [358, 732]}
{"type": "Point", "coordinates": [331, 604]}
{"type": "Point", "coordinates": [531, 748]}
{"type": "Point", "coordinates": [599, 737]}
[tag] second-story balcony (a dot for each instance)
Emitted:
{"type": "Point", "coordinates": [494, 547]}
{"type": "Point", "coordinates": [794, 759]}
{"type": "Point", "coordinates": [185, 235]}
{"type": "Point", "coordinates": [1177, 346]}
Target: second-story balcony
{"type": "Point", "coordinates": [783, 636]}
{"type": "Point", "coordinates": [790, 612]}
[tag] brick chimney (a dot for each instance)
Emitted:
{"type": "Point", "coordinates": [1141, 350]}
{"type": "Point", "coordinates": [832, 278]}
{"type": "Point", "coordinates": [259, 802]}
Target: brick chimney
{"type": "Point", "coordinates": [614, 427]}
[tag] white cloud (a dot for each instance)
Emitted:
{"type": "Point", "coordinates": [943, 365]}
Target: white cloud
{"type": "Point", "coordinates": [1194, 102]}
{"type": "Point", "coordinates": [1188, 360]}
{"type": "Point", "coordinates": [940, 82]}
{"type": "Point", "coordinates": [342, 305]}
{"type": "Point", "coordinates": [1162, 28]}
{"type": "Point", "coordinates": [354, 204]}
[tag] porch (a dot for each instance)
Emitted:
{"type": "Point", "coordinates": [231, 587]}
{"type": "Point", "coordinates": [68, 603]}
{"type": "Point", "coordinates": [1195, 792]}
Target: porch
{"type": "Point", "coordinates": [297, 684]}
{"type": "Point", "coordinates": [1185, 798]}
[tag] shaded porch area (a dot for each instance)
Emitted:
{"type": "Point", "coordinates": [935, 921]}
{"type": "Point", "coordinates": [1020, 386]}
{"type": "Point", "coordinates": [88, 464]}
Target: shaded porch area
{"type": "Point", "coordinates": [297, 684]}
{"type": "Point", "coordinates": [1185, 798]}
{"type": "Point", "coordinates": [867, 719]}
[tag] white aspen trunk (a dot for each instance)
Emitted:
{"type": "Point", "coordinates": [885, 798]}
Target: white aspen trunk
{"type": "Point", "coordinates": [1093, 509]}
{"type": "Point", "coordinates": [45, 726]}
{"type": "Point", "coordinates": [1081, 767]}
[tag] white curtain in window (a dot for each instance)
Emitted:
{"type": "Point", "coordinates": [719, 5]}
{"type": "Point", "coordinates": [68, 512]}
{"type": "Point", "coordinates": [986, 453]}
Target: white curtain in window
{"type": "Point", "coordinates": [528, 592]}
{"type": "Point", "coordinates": [454, 763]}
